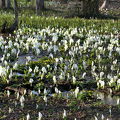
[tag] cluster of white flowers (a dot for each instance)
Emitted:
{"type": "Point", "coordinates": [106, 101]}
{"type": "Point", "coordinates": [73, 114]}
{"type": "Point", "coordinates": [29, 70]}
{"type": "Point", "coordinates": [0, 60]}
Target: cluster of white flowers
{"type": "Point", "coordinates": [99, 53]}
{"type": "Point", "coordinates": [76, 53]}
{"type": "Point", "coordinates": [2, 71]}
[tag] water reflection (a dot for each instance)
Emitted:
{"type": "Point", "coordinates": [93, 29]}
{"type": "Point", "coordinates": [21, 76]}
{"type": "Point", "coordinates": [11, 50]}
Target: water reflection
{"type": "Point", "coordinates": [108, 99]}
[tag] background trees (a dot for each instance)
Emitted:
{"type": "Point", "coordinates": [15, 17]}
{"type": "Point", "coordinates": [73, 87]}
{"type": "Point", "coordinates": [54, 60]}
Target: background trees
{"type": "Point", "coordinates": [2, 3]}
{"type": "Point", "coordinates": [105, 4]}
{"type": "Point", "coordinates": [14, 26]}
{"type": "Point", "coordinates": [5, 3]}
{"type": "Point", "coordinates": [90, 7]}
{"type": "Point", "coordinates": [39, 4]}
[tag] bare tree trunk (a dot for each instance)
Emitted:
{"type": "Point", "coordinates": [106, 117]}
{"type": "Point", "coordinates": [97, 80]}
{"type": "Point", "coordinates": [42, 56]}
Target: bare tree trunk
{"type": "Point", "coordinates": [105, 4]}
{"type": "Point", "coordinates": [8, 4]}
{"type": "Point", "coordinates": [14, 26]}
{"type": "Point", "coordinates": [91, 7]}
{"type": "Point", "coordinates": [39, 6]}
{"type": "Point", "coordinates": [3, 3]}
{"type": "Point", "coordinates": [16, 10]}
{"type": "Point", "coordinates": [0, 3]}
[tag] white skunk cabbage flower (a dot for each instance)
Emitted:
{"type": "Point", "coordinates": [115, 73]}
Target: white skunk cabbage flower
{"type": "Point", "coordinates": [95, 118]}
{"type": "Point", "coordinates": [64, 114]}
{"type": "Point", "coordinates": [74, 79]}
{"type": "Point", "coordinates": [40, 116]}
{"type": "Point", "coordinates": [54, 79]}
{"type": "Point", "coordinates": [8, 93]}
{"type": "Point", "coordinates": [45, 99]}
{"type": "Point", "coordinates": [56, 90]}
{"type": "Point", "coordinates": [2, 71]}
{"type": "Point", "coordinates": [28, 116]}
{"type": "Point", "coordinates": [44, 70]}
{"type": "Point", "coordinates": [76, 91]}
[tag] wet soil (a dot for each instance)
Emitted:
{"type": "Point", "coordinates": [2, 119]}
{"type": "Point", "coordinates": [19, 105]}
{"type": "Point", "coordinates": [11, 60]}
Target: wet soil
{"type": "Point", "coordinates": [10, 108]}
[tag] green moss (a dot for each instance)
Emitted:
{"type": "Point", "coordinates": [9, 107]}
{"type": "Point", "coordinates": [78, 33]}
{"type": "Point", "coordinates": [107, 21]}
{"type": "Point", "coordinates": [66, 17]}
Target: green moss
{"type": "Point", "coordinates": [59, 22]}
{"type": "Point", "coordinates": [97, 104]}
{"type": "Point", "coordinates": [85, 95]}
{"type": "Point", "coordinates": [41, 62]}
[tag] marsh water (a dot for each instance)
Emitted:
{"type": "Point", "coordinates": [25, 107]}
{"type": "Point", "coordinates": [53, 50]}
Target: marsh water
{"type": "Point", "coordinates": [106, 99]}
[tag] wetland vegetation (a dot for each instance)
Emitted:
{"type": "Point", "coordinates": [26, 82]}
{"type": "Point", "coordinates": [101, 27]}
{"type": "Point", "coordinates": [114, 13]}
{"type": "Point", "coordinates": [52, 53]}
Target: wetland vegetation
{"type": "Point", "coordinates": [56, 68]}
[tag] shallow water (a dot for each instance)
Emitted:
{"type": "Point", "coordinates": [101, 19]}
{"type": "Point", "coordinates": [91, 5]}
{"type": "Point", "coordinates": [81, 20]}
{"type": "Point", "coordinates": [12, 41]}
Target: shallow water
{"type": "Point", "coordinates": [22, 59]}
{"type": "Point", "coordinates": [108, 99]}
{"type": "Point", "coordinates": [105, 99]}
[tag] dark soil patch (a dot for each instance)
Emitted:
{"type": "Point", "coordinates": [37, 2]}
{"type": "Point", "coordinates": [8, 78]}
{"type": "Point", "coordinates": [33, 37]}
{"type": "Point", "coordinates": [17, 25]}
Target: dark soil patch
{"type": "Point", "coordinates": [54, 108]}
